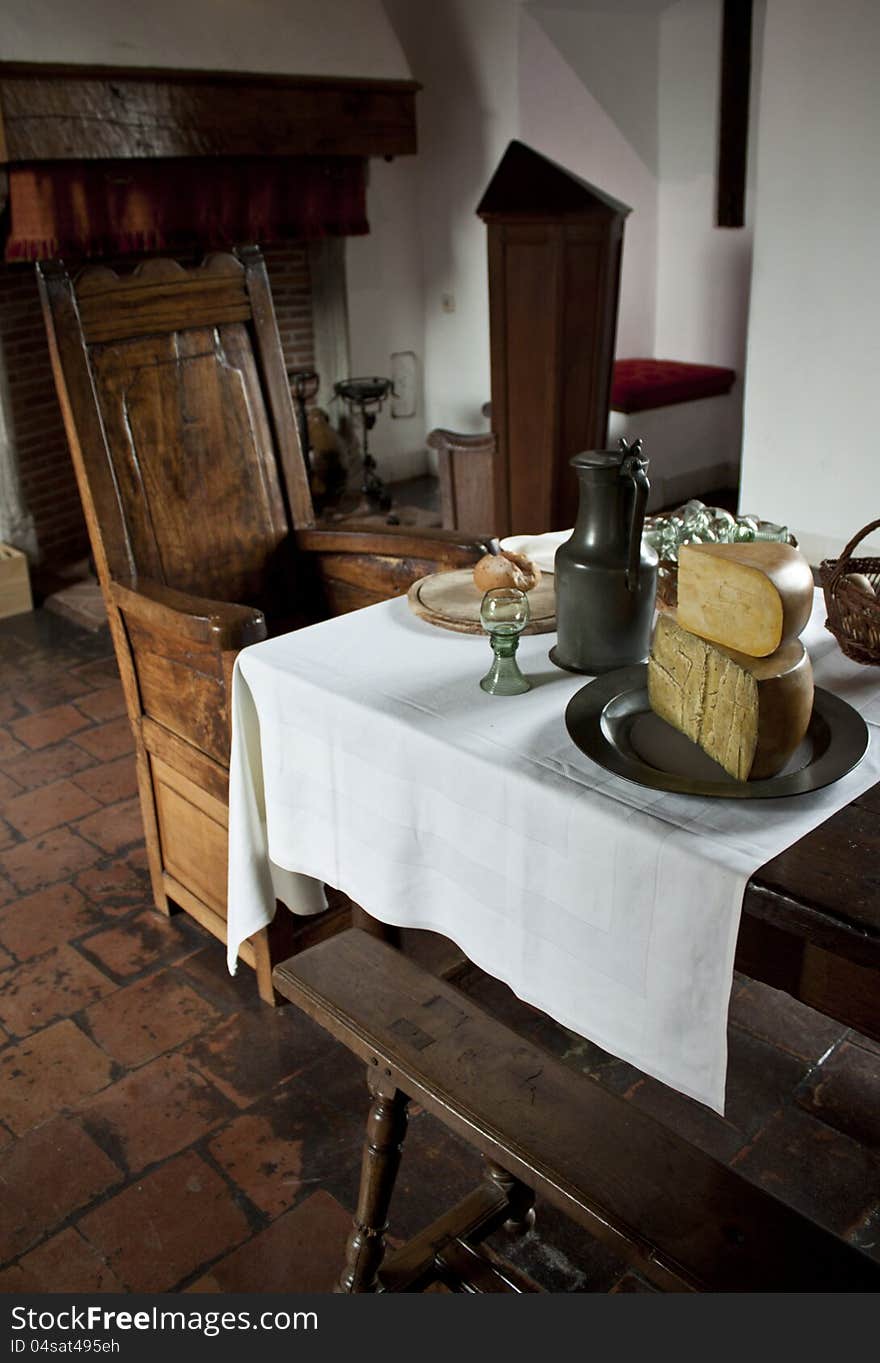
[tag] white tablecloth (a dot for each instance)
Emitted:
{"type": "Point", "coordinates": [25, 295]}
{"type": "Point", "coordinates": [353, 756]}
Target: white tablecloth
{"type": "Point", "coordinates": [365, 756]}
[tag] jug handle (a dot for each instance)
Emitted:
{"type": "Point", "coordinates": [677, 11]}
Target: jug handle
{"type": "Point", "coordinates": [633, 467]}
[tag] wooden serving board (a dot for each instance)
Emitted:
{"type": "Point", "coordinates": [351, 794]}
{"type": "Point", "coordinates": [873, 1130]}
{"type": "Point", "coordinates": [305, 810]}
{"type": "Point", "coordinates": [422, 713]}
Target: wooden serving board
{"type": "Point", "coordinates": [451, 601]}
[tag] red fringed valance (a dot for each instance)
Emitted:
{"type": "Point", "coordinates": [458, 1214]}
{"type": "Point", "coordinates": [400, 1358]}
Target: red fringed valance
{"type": "Point", "coordinates": [111, 208]}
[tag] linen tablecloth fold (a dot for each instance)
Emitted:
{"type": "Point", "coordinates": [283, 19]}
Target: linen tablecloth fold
{"type": "Point", "coordinates": [365, 756]}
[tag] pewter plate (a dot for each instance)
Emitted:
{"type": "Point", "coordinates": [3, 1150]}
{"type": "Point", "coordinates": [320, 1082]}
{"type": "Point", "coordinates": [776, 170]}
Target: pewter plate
{"type": "Point", "coordinates": [611, 721]}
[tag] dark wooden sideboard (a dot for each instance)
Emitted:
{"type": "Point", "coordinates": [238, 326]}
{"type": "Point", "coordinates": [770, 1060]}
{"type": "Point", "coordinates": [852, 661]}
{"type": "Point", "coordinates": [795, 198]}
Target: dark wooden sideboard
{"type": "Point", "coordinates": [811, 918]}
{"type": "Point", "coordinates": [555, 247]}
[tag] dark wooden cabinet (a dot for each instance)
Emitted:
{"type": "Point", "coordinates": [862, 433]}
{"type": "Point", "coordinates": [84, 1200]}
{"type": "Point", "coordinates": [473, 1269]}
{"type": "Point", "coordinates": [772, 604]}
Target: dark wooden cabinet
{"type": "Point", "coordinates": [555, 247]}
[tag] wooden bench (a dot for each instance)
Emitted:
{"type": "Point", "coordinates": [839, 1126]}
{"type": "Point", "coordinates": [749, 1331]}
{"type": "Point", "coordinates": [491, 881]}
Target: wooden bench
{"type": "Point", "coordinates": [687, 1222]}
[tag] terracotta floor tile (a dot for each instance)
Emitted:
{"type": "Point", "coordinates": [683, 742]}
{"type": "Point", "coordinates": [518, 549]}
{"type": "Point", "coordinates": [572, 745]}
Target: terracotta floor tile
{"type": "Point", "coordinates": [820, 1172]}
{"type": "Point", "coordinates": [163, 1229]}
{"type": "Point", "coordinates": [100, 706]}
{"type": "Point", "coordinates": [154, 1112]}
{"type": "Point", "coordinates": [783, 1021]}
{"type": "Point", "coordinates": [53, 856]}
{"type": "Point", "coordinates": [844, 1093]}
{"type": "Point", "coordinates": [109, 740]}
{"type": "Point", "coordinates": [10, 705]}
{"type": "Point", "coordinates": [116, 885]}
{"type": "Point", "coordinates": [10, 748]}
{"type": "Point", "coordinates": [8, 789]}
{"type": "Point", "coordinates": [52, 691]}
{"type": "Point", "coordinates": [760, 1077]}
{"type": "Point", "coordinates": [303, 1251]}
{"type": "Point", "coordinates": [147, 939]}
{"type": "Point", "coordinates": [54, 1069]}
{"type": "Point", "coordinates": [37, 811]}
{"type": "Point", "coordinates": [287, 1141]}
{"type": "Point", "coordinates": [56, 855]}
{"type": "Point", "coordinates": [8, 836]}
{"type": "Point", "coordinates": [33, 769]}
{"type": "Point", "coordinates": [252, 1052]}
{"type": "Point", "coordinates": [49, 987]}
{"type": "Point", "coordinates": [114, 828]}
{"type": "Point", "coordinates": [230, 993]}
{"type": "Point", "coordinates": [111, 781]}
{"type": "Point", "coordinates": [138, 860]}
{"type": "Point", "coordinates": [34, 924]}
{"type": "Point", "coordinates": [5, 960]}
{"type": "Point", "coordinates": [66, 1263]}
{"type": "Point", "coordinates": [7, 891]}
{"type": "Point", "coordinates": [142, 1020]}
{"type": "Point", "coordinates": [50, 726]}
{"type": "Point", "coordinates": [100, 672]}
{"type": "Point", "coordinates": [45, 1176]}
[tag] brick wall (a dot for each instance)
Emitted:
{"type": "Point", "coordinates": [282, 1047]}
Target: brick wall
{"type": "Point", "coordinates": [288, 268]}
{"type": "Point", "coordinates": [36, 428]}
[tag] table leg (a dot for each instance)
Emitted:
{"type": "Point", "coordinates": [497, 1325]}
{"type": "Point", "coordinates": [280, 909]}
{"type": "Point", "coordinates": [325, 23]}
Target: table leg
{"type": "Point", "coordinates": [374, 927]}
{"type": "Point", "coordinates": [520, 1198]}
{"type": "Point", "coordinates": [386, 1129]}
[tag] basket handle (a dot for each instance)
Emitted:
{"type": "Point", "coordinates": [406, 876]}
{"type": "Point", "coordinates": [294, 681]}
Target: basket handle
{"type": "Point", "coordinates": [837, 570]}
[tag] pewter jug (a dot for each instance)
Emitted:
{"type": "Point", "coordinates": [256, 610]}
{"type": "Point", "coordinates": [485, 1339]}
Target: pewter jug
{"type": "Point", "coordinates": [606, 578]}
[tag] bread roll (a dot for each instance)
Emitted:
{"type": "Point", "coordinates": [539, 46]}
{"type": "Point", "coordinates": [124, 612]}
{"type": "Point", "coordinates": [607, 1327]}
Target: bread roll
{"type": "Point", "coordinates": [506, 570]}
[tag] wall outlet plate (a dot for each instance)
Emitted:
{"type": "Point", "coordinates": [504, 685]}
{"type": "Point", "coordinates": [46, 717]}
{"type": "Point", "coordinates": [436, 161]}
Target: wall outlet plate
{"type": "Point", "coordinates": [404, 398]}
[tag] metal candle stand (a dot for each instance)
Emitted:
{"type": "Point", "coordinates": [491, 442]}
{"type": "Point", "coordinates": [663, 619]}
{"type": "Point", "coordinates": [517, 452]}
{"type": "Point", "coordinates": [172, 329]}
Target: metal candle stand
{"type": "Point", "coordinates": [304, 385]}
{"type": "Point", "coordinates": [368, 395]}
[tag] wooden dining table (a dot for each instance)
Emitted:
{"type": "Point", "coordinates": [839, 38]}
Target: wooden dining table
{"type": "Point", "coordinates": [810, 925]}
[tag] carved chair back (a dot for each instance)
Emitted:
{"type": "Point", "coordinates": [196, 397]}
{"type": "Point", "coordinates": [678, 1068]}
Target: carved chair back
{"type": "Point", "coordinates": [181, 423]}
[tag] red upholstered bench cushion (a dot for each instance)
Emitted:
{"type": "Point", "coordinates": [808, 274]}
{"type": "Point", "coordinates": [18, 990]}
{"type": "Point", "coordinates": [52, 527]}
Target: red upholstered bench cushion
{"type": "Point", "coordinates": [641, 384]}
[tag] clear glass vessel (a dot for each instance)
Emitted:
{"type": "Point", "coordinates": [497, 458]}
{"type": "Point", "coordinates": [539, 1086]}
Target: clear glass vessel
{"type": "Point", "coordinates": [504, 614]}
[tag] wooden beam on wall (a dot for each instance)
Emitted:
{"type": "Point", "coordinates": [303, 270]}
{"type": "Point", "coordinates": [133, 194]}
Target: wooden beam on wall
{"type": "Point", "coordinates": [88, 113]}
{"type": "Point", "coordinates": [733, 138]}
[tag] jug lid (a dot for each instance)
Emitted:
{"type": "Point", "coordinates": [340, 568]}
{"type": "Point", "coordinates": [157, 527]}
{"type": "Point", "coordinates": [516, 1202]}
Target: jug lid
{"type": "Point", "coordinates": [608, 459]}
{"type": "Point", "coordinates": [597, 459]}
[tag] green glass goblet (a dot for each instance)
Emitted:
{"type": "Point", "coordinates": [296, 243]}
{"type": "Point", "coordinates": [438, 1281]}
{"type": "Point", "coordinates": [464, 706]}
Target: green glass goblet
{"type": "Point", "coordinates": [504, 614]}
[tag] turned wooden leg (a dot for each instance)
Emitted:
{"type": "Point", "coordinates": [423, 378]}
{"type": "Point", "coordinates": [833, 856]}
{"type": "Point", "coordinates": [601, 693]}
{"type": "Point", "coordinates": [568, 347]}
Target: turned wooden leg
{"type": "Point", "coordinates": [520, 1198]}
{"type": "Point", "coordinates": [386, 1128]}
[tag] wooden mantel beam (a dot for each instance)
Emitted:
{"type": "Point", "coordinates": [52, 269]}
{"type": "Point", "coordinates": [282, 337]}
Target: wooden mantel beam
{"type": "Point", "coordinates": [51, 112]}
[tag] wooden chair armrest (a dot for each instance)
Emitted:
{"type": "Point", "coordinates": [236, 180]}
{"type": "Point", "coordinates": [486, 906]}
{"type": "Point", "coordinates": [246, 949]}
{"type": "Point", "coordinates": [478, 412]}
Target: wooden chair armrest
{"type": "Point", "coordinates": [219, 623]}
{"type": "Point", "coordinates": [397, 541]}
{"type": "Point", "coordinates": [483, 442]}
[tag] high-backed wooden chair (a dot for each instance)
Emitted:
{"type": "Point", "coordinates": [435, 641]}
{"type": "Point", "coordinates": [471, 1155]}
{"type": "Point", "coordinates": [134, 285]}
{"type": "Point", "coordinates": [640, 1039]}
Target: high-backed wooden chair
{"type": "Point", "coordinates": [185, 444]}
{"type": "Point", "coordinates": [465, 467]}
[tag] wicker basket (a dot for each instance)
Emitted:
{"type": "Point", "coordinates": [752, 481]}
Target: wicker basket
{"type": "Point", "coordinates": [853, 612]}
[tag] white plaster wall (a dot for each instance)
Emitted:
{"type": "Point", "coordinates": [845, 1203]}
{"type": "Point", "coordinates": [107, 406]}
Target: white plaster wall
{"type": "Point", "coordinates": [810, 457]}
{"type": "Point", "coordinates": [464, 53]}
{"type": "Point", "coordinates": [386, 307]}
{"type": "Point", "coordinates": [302, 37]}
{"type": "Point", "coordinates": [703, 271]}
{"type": "Point", "coordinates": [560, 117]}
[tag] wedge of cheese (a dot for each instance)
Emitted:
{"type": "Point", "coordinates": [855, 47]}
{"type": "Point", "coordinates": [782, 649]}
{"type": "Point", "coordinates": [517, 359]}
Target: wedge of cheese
{"type": "Point", "coordinates": [749, 597]}
{"type": "Point", "coordinates": [748, 714]}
